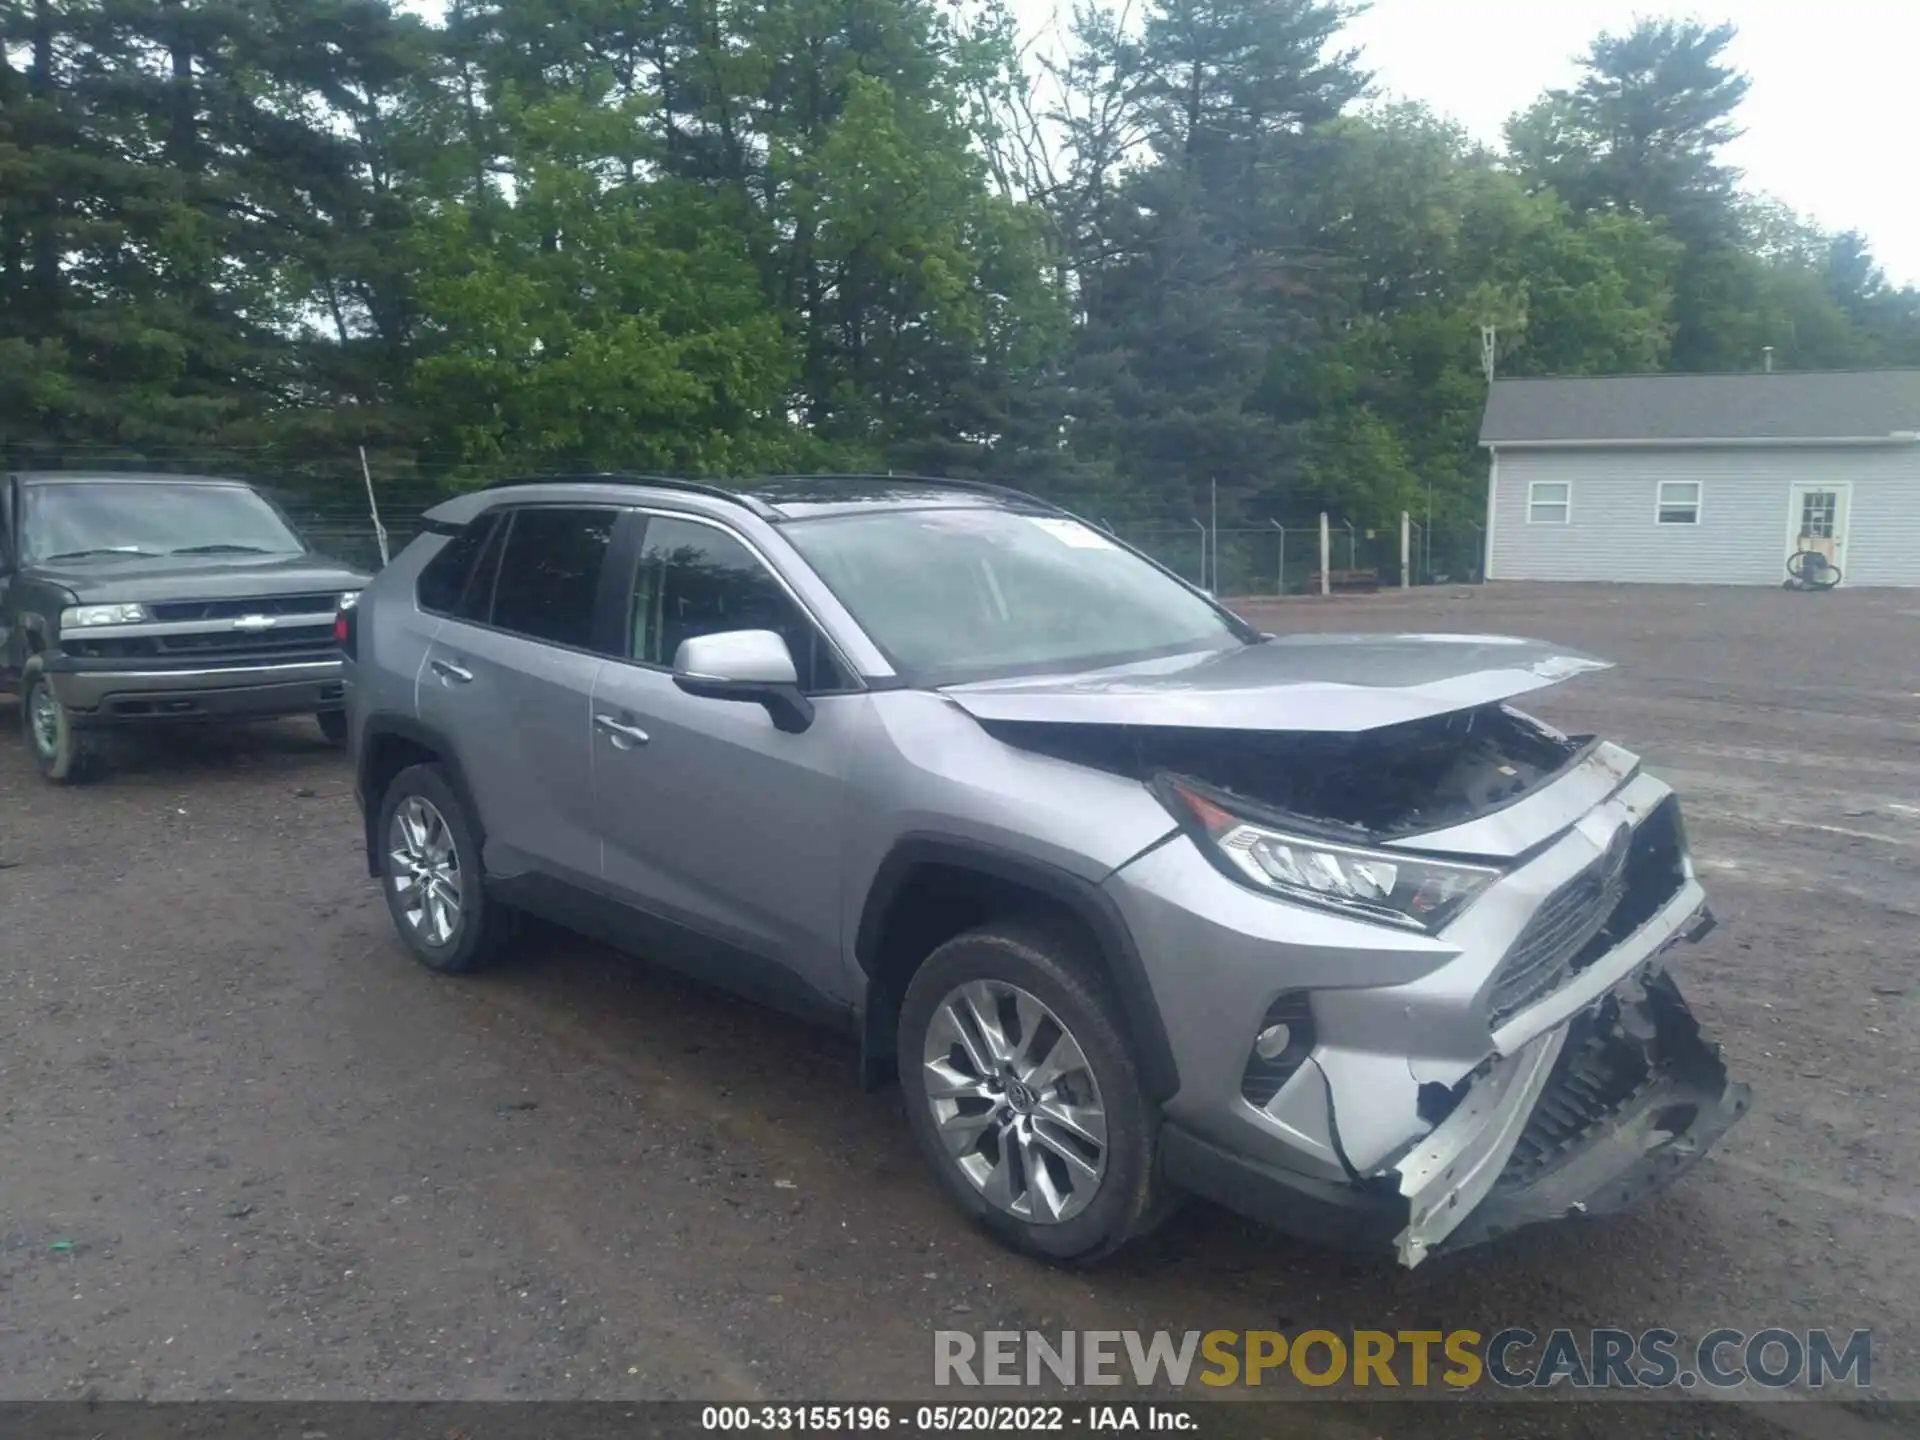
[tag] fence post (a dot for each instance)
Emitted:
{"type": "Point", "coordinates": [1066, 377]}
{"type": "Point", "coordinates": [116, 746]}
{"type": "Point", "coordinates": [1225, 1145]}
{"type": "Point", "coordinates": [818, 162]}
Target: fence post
{"type": "Point", "coordinates": [1213, 527]}
{"type": "Point", "coordinates": [1280, 565]}
{"type": "Point", "coordinates": [1203, 555]}
{"type": "Point", "coordinates": [1326, 555]}
{"type": "Point", "coordinates": [1406, 550]}
{"type": "Point", "coordinates": [373, 508]}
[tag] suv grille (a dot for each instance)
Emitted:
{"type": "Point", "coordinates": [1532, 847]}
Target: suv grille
{"type": "Point", "coordinates": [1593, 912]}
{"type": "Point", "coordinates": [324, 603]}
{"type": "Point", "coordinates": [291, 642]}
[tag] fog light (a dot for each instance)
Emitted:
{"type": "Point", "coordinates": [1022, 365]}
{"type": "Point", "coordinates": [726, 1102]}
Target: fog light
{"type": "Point", "coordinates": [1272, 1042]}
{"type": "Point", "coordinates": [1280, 1047]}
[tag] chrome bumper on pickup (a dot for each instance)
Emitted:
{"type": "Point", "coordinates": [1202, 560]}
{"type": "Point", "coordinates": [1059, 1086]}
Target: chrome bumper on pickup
{"type": "Point", "coordinates": [93, 690]}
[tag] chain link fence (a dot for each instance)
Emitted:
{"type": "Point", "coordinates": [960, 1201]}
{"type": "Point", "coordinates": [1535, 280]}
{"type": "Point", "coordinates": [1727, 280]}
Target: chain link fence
{"type": "Point", "coordinates": [1276, 559]}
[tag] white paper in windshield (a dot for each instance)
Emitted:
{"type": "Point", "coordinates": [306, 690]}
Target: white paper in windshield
{"type": "Point", "coordinates": [1070, 532]}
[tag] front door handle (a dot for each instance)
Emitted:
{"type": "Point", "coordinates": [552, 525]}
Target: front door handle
{"type": "Point", "coordinates": [453, 674]}
{"type": "Point", "coordinates": [624, 736]}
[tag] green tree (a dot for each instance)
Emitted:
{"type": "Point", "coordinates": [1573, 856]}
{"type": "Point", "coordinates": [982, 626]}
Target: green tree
{"type": "Point", "coordinates": [579, 319]}
{"type": "Point", "coordinates": [1426, 240]}
{"type": "Point", "coordinates": [1198, 292]}
{"type": "Point", "coordinates": [172, 173]}
{"type": "Point", "coordinates": [1641, 134]}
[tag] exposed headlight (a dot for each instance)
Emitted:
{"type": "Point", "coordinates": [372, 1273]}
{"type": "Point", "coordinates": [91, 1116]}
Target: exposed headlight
{"type": "Point", "coordinates": [77, 616]}
{"type": "Point", "coordinates": [1414, 892]}
{"type": "Point", "coordinates": [349, 599]}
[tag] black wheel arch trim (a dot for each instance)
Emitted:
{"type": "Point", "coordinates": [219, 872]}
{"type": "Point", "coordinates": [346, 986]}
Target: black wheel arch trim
{"type": "Point", "coordinates": [1119, 956]}
{"type": "Point", "coordinates": [382, 724]}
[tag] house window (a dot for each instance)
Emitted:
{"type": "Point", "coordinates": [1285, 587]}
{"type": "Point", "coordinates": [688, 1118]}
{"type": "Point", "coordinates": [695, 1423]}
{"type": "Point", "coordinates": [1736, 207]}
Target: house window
{"type": "Point", "coordinates": [1549, 502]}
{"type": "Point", "coordinates": [1679, 503]}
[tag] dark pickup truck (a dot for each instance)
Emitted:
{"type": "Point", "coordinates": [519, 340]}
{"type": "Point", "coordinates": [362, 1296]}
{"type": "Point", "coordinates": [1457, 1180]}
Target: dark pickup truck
{"type": "Point", "coordinates": [130, 599]}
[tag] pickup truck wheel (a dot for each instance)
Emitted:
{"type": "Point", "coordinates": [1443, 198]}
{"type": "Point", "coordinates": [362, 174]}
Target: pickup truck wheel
{"type": "Point", "coordinates": [431, 874]}
{"type": "Point", "coordinates": [1023, 1094]}
{"type": "Point", "coordinates": [59, 748]}
{"type": "Point", "coordinates": [333, 726]}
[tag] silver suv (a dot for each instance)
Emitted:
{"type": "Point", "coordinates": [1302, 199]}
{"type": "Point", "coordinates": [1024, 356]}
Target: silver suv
{"type": "Point", "coordinates": [1133, 899]}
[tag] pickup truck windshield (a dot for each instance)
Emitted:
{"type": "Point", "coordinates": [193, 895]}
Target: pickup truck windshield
{"type": "Point", "coordinates": [952, 595]}
{"type": "Point", "coordinates": [98, 519]}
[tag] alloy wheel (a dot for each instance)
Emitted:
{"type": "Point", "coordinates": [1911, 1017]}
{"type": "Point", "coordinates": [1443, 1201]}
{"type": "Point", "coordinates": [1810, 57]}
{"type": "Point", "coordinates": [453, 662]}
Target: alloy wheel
{"type": "Point", "coordinates": [424, 869]}
{"type": "Point", "coordinates": [1015, 1101]}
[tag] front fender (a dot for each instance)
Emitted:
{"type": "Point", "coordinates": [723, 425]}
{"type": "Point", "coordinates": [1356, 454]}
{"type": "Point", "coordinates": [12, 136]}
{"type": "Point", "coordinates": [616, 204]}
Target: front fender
{"type": "Point", "coordinates": [1086, 901]}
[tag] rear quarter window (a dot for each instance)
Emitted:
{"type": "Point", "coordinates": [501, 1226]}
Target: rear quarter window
{"type": "Point", "coordinates": [447, 582]}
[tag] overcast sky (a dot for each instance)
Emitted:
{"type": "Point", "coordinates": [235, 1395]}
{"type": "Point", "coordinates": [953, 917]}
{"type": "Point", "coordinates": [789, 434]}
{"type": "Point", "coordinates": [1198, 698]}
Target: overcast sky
{"type": "Point", "coordinates": [1832, 120]}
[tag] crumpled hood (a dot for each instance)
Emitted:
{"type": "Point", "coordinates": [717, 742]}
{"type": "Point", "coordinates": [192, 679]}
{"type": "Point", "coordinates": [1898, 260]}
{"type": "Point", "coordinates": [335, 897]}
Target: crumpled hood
{"type": "Point", "coordinates": [146, 579]}
{"type": "Point", "coordinates": [1329, 683]}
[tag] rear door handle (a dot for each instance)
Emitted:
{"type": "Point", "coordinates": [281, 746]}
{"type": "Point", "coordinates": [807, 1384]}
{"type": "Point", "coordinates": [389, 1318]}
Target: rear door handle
{"type": "Point", "coordinates": [452, 673]}
{"type": "Point", "coordinates": [624, 736]}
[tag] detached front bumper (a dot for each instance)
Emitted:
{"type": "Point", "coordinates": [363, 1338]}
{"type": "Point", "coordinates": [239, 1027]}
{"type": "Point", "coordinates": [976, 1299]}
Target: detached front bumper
{"type": "Point", "coordinates": [110, 692]}
{"type": "Point", "coordinates": [1632, 1102]}
{"type": "Point", "coordinates": [1589, 1119]}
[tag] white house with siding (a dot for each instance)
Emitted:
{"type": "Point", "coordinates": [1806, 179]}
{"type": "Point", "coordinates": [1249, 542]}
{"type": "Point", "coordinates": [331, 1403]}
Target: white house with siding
{"type": "Point", "coordinates": [1704, 479]}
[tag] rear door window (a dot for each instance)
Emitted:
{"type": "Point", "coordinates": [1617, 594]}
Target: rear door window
{"type": "Point", "coordinates": [549, 574]}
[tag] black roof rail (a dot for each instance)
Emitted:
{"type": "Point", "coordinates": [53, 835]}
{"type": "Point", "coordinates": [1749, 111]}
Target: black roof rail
{"type": "Point", "coordinates": [982, 487]}
{"type": "Point", "coordinates": [742, 491]}
{"type": "Point", "coordinates": [658, 482]}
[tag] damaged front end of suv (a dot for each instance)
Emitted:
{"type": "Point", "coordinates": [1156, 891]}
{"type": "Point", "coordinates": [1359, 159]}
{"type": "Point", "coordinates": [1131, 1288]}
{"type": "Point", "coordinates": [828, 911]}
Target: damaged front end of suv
{"type": "Point", "coordinates": [1429, 1004]}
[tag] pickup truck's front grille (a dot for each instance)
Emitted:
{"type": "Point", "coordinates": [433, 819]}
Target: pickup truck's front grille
{"type": "Point", "coordinates": [1592, 913]}
{"type": "Point", "coordinates": [199, 647]}
{"type": "Point", "coordinates": [323, 603]}
{"type": "Point", "coordinates": [241, 642]}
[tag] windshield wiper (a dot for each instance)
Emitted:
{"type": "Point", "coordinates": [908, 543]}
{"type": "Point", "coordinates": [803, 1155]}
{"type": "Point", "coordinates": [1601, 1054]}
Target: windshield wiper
{"type": "Point", "coordinates": [227, 550]}
{"type": "Point", "coordinates": [101, 550]}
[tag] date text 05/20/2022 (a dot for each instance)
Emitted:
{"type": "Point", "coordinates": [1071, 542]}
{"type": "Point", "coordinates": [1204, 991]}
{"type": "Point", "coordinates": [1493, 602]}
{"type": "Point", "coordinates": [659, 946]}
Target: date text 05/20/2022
{"type": "Point", "coordinates": [948, 1419]}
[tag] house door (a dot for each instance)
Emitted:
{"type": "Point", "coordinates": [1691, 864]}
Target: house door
{"type": "Point", "coordinates": [1817, 520]}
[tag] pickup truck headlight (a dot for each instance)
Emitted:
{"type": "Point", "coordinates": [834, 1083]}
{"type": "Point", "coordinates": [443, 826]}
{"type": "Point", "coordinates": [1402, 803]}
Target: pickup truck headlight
{"type": "Point", "coordinates": [1414, 892]}
{"type": "Point", "coordinates": [78, 617]}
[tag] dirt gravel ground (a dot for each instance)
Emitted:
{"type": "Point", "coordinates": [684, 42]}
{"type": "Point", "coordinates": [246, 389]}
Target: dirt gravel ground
{"type": "Point", "coordinates": [248, 1149]}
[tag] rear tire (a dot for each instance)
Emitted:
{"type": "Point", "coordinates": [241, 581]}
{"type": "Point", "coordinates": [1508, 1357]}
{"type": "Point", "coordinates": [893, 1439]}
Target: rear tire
{"type": "Point", "coordinates": [1057, 1156]}
{"type": "Point", "coordinates": [63, 753]}
{"type": "Point", "coordinates": [333, 726]}
{"type": "Point", "coordinates": [431, 875]}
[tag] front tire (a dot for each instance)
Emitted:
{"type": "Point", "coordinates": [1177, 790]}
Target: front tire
{"type": "Point", "coordinates": [60, 750]}
{"type": "Point", "coordinates": [1023, 1094]}
{"type": "Point", "coordinates": [430, 872]}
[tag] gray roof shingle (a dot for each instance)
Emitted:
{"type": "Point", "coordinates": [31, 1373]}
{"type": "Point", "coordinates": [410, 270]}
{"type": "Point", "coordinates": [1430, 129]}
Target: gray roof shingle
{"type": "Point", "coordinates": [1808, 405]}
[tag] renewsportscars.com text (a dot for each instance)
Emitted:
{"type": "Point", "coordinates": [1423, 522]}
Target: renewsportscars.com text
{"type": "Point", "coordinates": [1513, 1358]}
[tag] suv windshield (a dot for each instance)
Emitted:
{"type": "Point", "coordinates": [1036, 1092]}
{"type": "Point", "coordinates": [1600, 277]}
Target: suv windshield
{"type": "Point", "coordinates": [966, 594]}
{"type": "Point", "coordinates": [104, 518]}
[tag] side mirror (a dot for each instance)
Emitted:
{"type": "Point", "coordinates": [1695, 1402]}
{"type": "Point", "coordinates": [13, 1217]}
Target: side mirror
{"type": "Point", "coordinates": [750, 665]}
